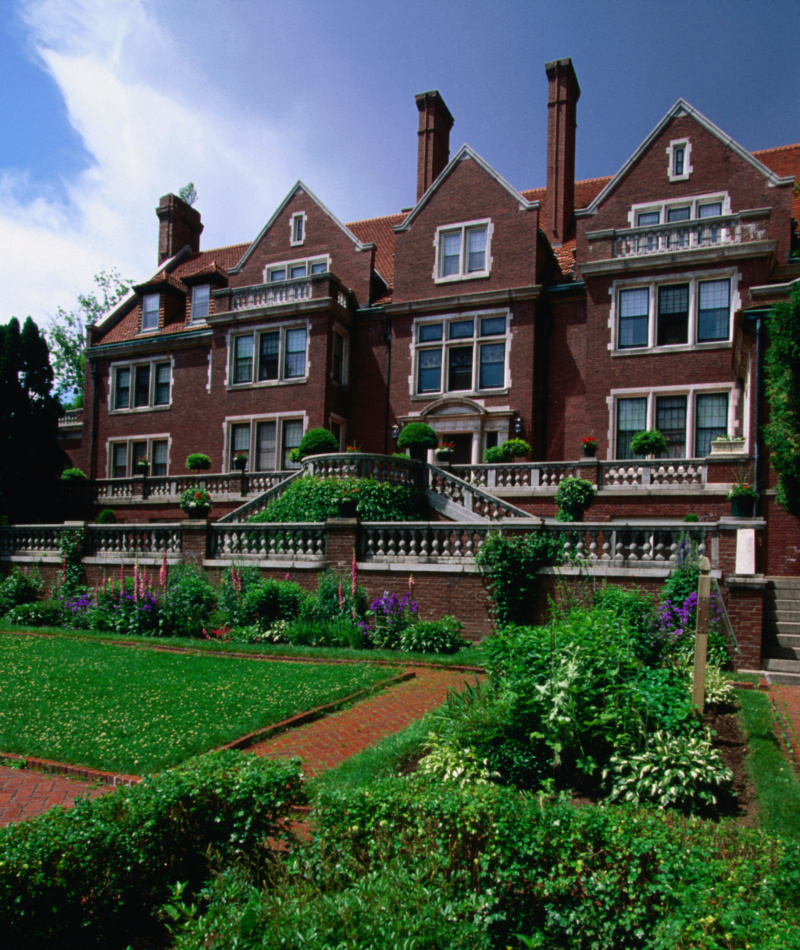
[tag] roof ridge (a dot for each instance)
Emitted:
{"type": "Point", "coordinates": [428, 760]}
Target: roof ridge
{"type": "Point", "coordinates": [378, 217]}
{"type": "Point", "coordinates": [775, 148]}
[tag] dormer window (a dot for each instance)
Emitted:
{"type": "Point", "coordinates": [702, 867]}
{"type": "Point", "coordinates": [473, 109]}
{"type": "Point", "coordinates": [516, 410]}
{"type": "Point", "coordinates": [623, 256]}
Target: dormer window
{"type": "Point", "coordinates": [201, 298]}
{"type": "Point", "coordinates": [463, 251]}
{"type": "Point", "coordinates": [678, 153]}
{"type": "Point", "coordinates": [298, 226]}
{"type": "Point", "coordinates": [150, 307]}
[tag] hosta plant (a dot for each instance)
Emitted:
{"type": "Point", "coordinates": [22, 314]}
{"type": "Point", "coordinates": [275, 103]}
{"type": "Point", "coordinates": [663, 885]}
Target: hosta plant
{"type": "Point", "coordinates": [680, 772]}
{"type": "Point", "coordinates": [719, 690]}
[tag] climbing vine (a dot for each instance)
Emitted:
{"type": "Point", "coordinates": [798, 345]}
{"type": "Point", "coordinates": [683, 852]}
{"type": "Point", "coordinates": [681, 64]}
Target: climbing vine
{"type": "Point", "coordinates": [782, 388]}
{"type": "Point", "coordinates": [72, 543]}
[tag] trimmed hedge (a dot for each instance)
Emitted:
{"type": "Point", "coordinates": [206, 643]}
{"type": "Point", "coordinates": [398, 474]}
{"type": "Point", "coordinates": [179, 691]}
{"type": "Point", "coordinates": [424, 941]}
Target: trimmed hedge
{"type": "Point", "coordinates": [93, 875]}
{"type": "Point", "coordinates": [316, 499]}
{"type": "Point", "coordinates": [317, 442]}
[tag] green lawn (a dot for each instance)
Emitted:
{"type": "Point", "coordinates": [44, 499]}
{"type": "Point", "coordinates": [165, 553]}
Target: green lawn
{"type": "Point", "coordinates": [135, 711]}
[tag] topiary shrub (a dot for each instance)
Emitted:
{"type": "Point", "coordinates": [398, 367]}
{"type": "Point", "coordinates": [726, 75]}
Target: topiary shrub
{"type": "Point", "coordinates": [417, 435]}
{"type": "Point", "coordinates": [494, 455]}
{"type": "Point", "coordinates": [648, 442]}
{"type": "Point", "coordinates": [572, 497]}
{"type": "Point", "coordinates": [690, 516]}
{"type": "Point", "coordinates": [515, 448]}
{"type": "Point", "coordinates": [317, 442]}
{"type": "Point", "coordinates": [106, 516]}
{"type": "Point", "coordinates": [73, 475]}
{"type": "Point", "coordinates": [198, 462]}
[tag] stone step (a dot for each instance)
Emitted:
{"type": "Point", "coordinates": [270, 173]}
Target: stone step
{"type": "Point", "coordinates": [784, 583]}
{"type": "Point", "coordinates": [784, 679]}
{"type": "Point", "coordinates": [781, 615]}
{"type": "Point", "coordinates": [782, 651]}
{"type": "Point", "coordinates": [781, 665]}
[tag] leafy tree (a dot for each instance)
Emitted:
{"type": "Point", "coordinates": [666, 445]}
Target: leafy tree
{"type": "Point", "coordinates": [67, 334]}
{"type": "Point", "coordinates": [782, 386]}
{"type": "Point", "coordinates": [30, 456]}
{"type": "Point", "coordinates": [188, 193]}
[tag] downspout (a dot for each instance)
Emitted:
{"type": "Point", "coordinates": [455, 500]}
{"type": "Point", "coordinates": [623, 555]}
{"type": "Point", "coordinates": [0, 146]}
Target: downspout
{"type": "Point", "coordinates": [757, 420]}
{"type": "Point", "coordinates": [387, 338]}
{"type": "Point", "coordinates": [95, 413]}
{"type": "Point", "coordinates": [547, 321]}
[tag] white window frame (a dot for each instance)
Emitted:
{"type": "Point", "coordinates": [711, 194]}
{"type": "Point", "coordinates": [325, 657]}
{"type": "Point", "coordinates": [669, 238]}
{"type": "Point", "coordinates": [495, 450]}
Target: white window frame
{"type": "Point", "coordinates": [673, 147]}
{"type": "Point", "coordinates": [192, 317]}
{"type": "Point", "coordinates": [651, 395]}
{"type": "Point", "coordinates": [694, 203]}
{"type": "Point", "coordinates": [297, 219]}
{"type": "Point", "coordinates": [462, 228]}
{"type": "Point", "coordinates": [131, 366]}
{"type": "Point", "coordinates": [340, 332]}
{"type": "Point", "coordinates": [145, 298]}
{"type": "Point", "coordinates": [446, 344]}
{"type": "Point", "coordinates": [129, 442]}
{"type": "Point", "coordinates": [693, 279]}
{"type": "Point", "coordinates": [307, 262]}
{"type": "Point", "coordinates": [257, 332]}
{"type": "Point", "coordinates": [279, 418]}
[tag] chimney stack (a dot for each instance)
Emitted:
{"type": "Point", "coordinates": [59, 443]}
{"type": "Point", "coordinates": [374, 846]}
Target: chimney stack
{"type": "Point", "coordinates": [179, 224]}
{"type": "Point", "coordinates": [433, 148]}
{"type": "Point", "coordinates": [562, 100]}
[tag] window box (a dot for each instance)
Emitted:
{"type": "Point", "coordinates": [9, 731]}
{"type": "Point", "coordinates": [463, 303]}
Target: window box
{"type": "Point", "coordinates": [726, 446]}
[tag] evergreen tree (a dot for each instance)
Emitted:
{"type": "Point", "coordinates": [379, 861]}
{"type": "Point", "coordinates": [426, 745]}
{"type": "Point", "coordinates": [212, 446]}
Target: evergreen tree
{"type": "Point", "coordinates": [30, 456]}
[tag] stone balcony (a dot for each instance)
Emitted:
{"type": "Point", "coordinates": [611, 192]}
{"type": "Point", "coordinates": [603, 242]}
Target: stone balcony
{"type": "Point", "coordinates": [300, 291]}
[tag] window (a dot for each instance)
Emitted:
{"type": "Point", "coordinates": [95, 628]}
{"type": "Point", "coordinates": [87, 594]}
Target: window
{"type": "Point", "coordinates": [141, 385]}
{"type": "Point", "coordinates": [469, 353]}
{"type": "Point", "coordinates": [281, 355]}
{"type": "Point", "coordinates": [201, 299]}
{"type": "Point", "coordinates": [150, 307]}
{"type": "Point", "coordinates": [679, 152]}
{"type": "Point", "coordinates": [688, 420]}
{"type": "Point", "coordinates": [462, 251]}
{"type": "Point", "coordinates": [123, 456]}
{"type": "Point", "coordinates": [684, 209]}
{"type": "Point", "coordinates": [265, 442]}
{"type": "Point", "coordinates": [674, 314]}
{"type": "Point", "coordinates": [293, 270]}
{"type": "Point", "coordinates": [339, 368]}
{"type": "Point", "coordinates": [298, 228]}
{"type": "Point", "coordinates": [678, 157]}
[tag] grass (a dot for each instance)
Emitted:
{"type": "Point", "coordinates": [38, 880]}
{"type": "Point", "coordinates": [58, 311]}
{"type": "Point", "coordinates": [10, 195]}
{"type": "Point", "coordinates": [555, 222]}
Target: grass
{"type": "Point", "coordinates": [135, 711]}
{"type": "Point", "coordinates": [472, 656]}
{"type": "Point", "coordinates": [776, 785]}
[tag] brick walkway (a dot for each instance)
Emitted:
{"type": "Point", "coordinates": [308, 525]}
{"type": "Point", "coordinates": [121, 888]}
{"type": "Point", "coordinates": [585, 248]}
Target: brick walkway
{"type": "Point", "coordinates": [326, 743]}
{"type": "Point", "coordinates": [321, 744]}
{"type": "Point", "coordinates": [786, 704]}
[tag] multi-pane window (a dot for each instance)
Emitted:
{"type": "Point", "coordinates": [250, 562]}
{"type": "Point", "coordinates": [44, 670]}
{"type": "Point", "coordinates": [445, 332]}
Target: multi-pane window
{"type": "Point", "coordinates": [201, 301]}
{"type": "Point", "coordinates": [141, 386]}
{"type": "Point", "coordinates": [266, 443]}
{"type": "Point", "coordinates": [291, 270]}
{"type": "Point", "coordinates": [463, 251]}
{"type": "Point", "coordinates": [338, 369]}
{"type": "Point", "coordinates": [461, 355]}
{"type": "Point", "coordinates": [124, 456]}
{"type": "Point", "coordinates": [277, 354]}
{"type": "Point", "coordinates": [695, 311]}
{"type": "Point", "coordinates": [150, 308]}
{"type": "Point", "coordinates": [298, 226]}
{"type": "Point", "coordinates": [688, 421]}
{"type": "Point", "coordinates": [678, 157]}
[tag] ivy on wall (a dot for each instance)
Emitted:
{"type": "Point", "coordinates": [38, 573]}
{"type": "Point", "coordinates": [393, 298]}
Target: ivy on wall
{"type": "Point", "coordinates": [782, 389]}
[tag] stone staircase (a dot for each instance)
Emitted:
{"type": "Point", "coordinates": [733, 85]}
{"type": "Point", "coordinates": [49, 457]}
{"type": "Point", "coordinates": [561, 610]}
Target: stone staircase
{"type": "Point", "coordinates": [782, 630]}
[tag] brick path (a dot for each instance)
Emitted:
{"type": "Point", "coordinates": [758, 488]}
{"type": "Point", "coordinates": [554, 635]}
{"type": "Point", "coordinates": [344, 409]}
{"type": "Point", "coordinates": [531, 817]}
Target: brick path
{"type": "Point", "coordinates": [786, 703]}
{"type": "Point", "coordinates": [25, 792]}
{"type": "Point", "coordinates": [321, 744]}
{"type": "Point", "coordinates": [326, 743]}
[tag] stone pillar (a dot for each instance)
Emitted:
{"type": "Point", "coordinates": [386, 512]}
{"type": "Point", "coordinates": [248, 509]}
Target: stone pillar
{"type": "Point", "coordinates": [341, 538]}
{"type": "Point", "coordinates": [194, 541]}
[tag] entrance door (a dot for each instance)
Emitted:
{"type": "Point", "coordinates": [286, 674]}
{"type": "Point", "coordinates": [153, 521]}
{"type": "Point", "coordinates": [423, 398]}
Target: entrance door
{"type": "Point", "coordinates": [462, 447]}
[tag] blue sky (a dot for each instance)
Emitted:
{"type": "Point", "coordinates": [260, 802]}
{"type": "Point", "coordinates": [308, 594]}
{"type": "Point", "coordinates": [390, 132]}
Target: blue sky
{"type": "Point", "coordinates": [109, 104]}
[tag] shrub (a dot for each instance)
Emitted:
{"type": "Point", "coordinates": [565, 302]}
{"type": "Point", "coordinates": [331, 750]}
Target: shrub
{"type": "Point", "coordinates": [18, 588]}
{"type": "Point", "coordinates": [417, 435]}
{"type": "Point", "coordinates": [317, 442]}
{"type": "Point", "coordinates": [335, 599]}
{"type": "Point", "coordinates": [648, 442]}
{"type": "Point", "coordinates": [269, 600]}
{"type": "Point", "coordinates": [232, 591]}
{"type": "Point", "coordinates": [494, 455]}
{"type": "Point", "coordinates": [433, 636]}
{"type": "Point", "coordinates": [198, 462]}
{"type": "Point", "coordinates": [393, 616]}
{"type": "Point", "coordinates": [515, 448]}
{"type": "Point", "coordinates": [187, 603]}
{"type": "Point", "coordinates": [637, 608]}
{"type": "Point", "coordinates": [572, 497]}
{"type": "Point", "coordinates": [73, 475]}
{"type": "Point", "coordinates": [681, 772]}
{"type": "Point", "coordinates": [41, 614]}
{"type": "Point", "coordinates": [95, 874]}
{"type": "Point", "coordinates": [691, 517]}
{"type": "Point", "coordinates": [666, 701]}
{"type": "Point", "coordinates": [106, 516]}
{"type": "Point", "coordinates": [316, 499]}
{"type": "Point", "coordinates": [510, 565]}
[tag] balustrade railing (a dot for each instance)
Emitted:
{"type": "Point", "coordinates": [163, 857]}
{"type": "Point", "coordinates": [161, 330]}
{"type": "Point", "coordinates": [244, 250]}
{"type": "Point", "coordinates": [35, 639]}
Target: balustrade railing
{"type": "Point", "coordinates": [657, 473]}
{"type": "Point", "coordinates": [689, 235]}
{"type": "Point", "coordinates": [663, 473]}
{"type": "Point", "coordinates": [281, 542]}
{"type": "Point", "coordinates": [129, 540]}
{"type": "Point", "coordinates": [270, 295]}
{"type": "Point", "coordinates": [71, 417]}
{"type": "Point", "coordinates": [480, 503]}
{"type": "Point", "coordinates": [41, 539]}
{"type": "Point", "coordinates": [510, 475]}
{"type": "Point", "coordinates": [422, 541]}
{"type": "Point", "coordinates": [257, 505]}
{"type": "Point", "coordinates": [383, 468]}
{"type": "Point", "coordinates": [162, 487]}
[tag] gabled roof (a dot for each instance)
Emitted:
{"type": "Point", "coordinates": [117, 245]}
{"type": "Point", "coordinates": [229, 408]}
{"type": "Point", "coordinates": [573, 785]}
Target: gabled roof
{"type": "Point", "coordinates": [298, 187]}
{"type": "Point", "coordinates": [784, 161]}
{"type": "Point", "coordinates": [682, 107]}
{"type": "Point", "coordinates": [380, 232]}
{"type": "Point", "coordinates": [463, 153]}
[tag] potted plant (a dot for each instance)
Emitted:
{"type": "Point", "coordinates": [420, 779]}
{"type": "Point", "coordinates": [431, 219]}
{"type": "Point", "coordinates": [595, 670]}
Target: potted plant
{"type": "Point", "coordinates": [572, 497]}
{"type": "Point", "coordinates": [142, 464]}
{"type": "Point", "coordinates": [742, 497]}
{"type": "Point", "coordinates": [196, 502]}
{"type": "Point", "coordinates": [240, 461]}
{"type": "Point", "coordinates": [444, 453]}
{"type": "Point", "coordinates": [198, 462]}
{"type": "Point", "coordinates": [649, 442]}
{"type": "Point", "coordinates": [515, 449]}
{"type": "Point", "coordinates": [728, 445]}
{"type": "Point", "coordinates": [417, 437]}
{"type": "Point", "coordinates": [589, 446]}
{"type": "Point", "coordinates": [347, 502]}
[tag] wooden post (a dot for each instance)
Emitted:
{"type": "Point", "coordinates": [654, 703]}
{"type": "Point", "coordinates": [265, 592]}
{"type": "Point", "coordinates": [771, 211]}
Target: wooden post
{"type": "Point", "coordinates": [701, 635]}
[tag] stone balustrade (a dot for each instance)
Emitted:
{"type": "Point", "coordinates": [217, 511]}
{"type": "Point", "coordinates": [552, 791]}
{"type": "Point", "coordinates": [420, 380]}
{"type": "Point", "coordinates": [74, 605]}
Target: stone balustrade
{"type": "Point", "coordinates": [113, 541]}
{"type": "Point", "coordinates": [171, 487]}
{"type": "Point", "coordinates": [475, 501]}
{"type": "Point", "coordinates": [36, 539]}
{"type": "Point", "coordinates": [383, 468]}
{"type": "Point", "coordinates": [634, 473]}
{"type": "Point", "coordinates": [271, 295]}
{"type": "Point", "coordinates": [270, 542]}
{"type": "Point", "coordinates": [426, 542]}
{"type": "Point", "coordinates": [517, 475]}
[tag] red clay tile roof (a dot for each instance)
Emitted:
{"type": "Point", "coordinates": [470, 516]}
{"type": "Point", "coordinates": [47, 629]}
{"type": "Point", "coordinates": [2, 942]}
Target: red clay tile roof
{"type": "Point", "coordinates": [784, 161]}
{"type": "Point", "coordinates": [162, 277]}
{"type": "Point", "coordinates": [380, 232]}
{"type": "Point", "coordinates": [223, 257]}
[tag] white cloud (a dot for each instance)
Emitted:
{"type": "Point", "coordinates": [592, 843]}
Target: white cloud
{"type": "Point", "coordinates": [149, 130]}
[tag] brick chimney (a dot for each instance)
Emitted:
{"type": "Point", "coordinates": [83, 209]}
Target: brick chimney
{"type": "Point", "coordinates": [562, 99]}
{"type": "Point", "coordinates": [433, 147]}
{"type": "Point", "coordinates": [178, 224]}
